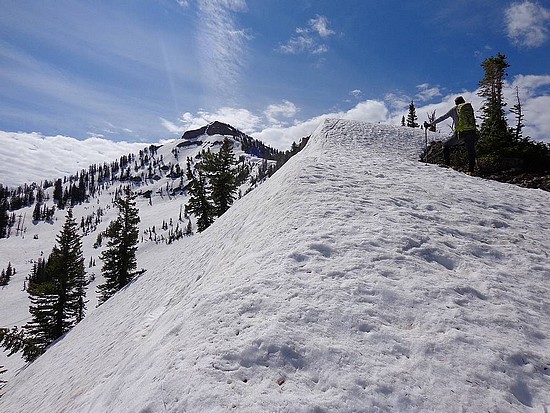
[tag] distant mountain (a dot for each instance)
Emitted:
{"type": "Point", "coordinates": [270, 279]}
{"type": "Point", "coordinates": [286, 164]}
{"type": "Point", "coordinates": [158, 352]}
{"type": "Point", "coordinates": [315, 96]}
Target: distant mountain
{"type": "Point", "coordinates": [249, 144]}
{"type": "Point", "coordinates": [355, 279]}
{"type": "Point", "coordinates": [214, 128]}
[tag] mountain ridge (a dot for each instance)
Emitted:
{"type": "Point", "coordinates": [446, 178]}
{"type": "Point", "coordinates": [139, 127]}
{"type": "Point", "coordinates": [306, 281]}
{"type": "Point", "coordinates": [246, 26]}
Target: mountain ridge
{"type": "Point", "coordinates": [355, 279]}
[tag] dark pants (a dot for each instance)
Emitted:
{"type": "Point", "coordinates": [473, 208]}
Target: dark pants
{"type": "Point", "coordinates": [469, 138]}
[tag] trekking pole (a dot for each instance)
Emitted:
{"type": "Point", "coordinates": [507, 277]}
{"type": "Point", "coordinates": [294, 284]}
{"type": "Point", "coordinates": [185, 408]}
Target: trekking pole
{"type": "Point", "coordinates": [426, 140]}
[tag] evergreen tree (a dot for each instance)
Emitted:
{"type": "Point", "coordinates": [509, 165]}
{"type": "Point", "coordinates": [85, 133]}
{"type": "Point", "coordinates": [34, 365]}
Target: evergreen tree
{"type": "Point", "coordinates": [220, 169]}
{"type": "Point", "coordinates": [37, 212]}
{"type": "Point", "coordinates": [403, 121]}
{"type": "Point", "coordinates": [15, 340]}
{"type": "Point", "coordinates": [411, 117]}
{"type": "Point", "coordinates": [6, 275]}
{"type": "Point", "coordinates": [58, 192]}
{"type": "Point", "coordinates": [58, 294]}
{"type": "Point", "coordinates": [4, 217]}
{"type": "Point", "coordinates": [38, 273]}
{"type": "Point", "coordinates": [199, 203]}
{"type": "Point", "coordinates": [40, 331]}
{"type": "Point", "coordinates": [119, 258]}
{"type": "Point", "coordinates": [495, 137]}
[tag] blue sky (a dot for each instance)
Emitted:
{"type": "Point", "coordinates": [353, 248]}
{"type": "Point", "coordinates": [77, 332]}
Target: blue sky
{"type": "Point", "coordinates": [142, 71]}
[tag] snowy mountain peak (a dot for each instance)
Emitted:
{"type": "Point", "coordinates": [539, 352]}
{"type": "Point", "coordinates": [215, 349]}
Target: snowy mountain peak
{"type": "Point", "coordinates": [355, 279]}
{"type": "Point", "coordinates": [213, 128]}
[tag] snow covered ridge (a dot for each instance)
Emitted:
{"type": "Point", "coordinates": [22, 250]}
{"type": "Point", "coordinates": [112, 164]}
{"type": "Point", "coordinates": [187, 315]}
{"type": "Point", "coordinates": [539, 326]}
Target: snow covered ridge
{"type": "Point", "coordinates": [356, 279]}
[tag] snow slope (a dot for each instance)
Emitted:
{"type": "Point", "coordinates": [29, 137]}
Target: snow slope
{"type": "Point", "coordinates": [356, 279]}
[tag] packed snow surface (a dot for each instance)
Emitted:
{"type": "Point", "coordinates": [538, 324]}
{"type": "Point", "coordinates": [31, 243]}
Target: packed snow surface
{"type": "Point", "coordinates": [356, 279]}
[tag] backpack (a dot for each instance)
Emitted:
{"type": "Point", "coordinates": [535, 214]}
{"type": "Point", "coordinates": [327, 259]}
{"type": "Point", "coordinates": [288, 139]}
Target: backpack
{"type": "Point", "coordinates": [466, 118]}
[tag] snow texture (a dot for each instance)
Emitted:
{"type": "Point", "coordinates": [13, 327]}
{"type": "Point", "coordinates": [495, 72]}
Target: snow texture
{"type": "Point", "coordinates": [356, 279]}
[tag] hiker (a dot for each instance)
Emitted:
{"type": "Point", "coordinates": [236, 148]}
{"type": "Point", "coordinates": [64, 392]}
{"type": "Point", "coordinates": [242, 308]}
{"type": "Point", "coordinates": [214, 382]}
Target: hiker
{"type": "Point", "coordinates": [464, 131]}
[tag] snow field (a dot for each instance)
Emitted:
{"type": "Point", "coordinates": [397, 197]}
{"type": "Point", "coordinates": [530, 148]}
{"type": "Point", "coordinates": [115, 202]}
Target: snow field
{"type": "Point", "coordinates": [356, 279]}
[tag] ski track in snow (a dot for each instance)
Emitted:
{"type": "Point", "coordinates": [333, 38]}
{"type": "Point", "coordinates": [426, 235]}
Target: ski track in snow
{"type": "Point", "coordinates": [357, 279]}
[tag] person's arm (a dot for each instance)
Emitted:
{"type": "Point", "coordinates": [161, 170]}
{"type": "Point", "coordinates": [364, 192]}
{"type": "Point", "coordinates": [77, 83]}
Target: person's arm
{"type": "Point", "coordinates": [447, 115]}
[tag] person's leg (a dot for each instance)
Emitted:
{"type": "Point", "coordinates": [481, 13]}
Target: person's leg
{"type": "Point", "coordinates": [447, 145]}
{"type": "Point", "coordinates": [470, 142]}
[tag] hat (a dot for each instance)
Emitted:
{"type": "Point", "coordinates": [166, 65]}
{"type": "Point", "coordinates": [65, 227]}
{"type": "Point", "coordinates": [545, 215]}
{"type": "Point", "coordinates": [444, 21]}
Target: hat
{"type": "Point", "coordinates": [459, 100]}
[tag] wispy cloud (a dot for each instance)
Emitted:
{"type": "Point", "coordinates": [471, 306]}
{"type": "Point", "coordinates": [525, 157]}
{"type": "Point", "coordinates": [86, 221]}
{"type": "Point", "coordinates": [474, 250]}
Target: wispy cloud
{"type": "Point", "coordinates": [427, 92]}
{"type": "Point", "coordinates": [43, 91]}
{"type": "Point", "coordinates": [222, 44]}
{"type": "Point", "coordinates": [124, 60]}
{"type": "Point", "coordinates": [309, 39]}
{"type": "Point", "coordinates": [319, 24]}
{"type": "Point", "coordinates": [357, 93]}
{"type": "Point", "coordinates": [397, 101]}
{"type": "Point", "coordinates": [527, 24]}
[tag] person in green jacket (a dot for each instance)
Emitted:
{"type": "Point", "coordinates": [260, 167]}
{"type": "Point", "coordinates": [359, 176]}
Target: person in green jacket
{"type": "Point", "coordinates": [469, 137]}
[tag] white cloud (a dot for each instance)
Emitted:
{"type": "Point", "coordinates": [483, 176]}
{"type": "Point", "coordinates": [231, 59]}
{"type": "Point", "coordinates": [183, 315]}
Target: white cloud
{"type": "Point", "coordinates": [368, 111]}
{"type": "Point", "coordinates": [397, 101]}
{"type": "Point", "coordinates": [308, 39]}
{"type": "Point", "coordinates": [529, 84]}
{"type": "Point", "coordinates": [32, 157]}
{"type": "Point", "coordinates": [240, 118]}
{"type": "Point", "coordinates": [527, 24]}
{"type": "Point", "coordinates": [282, 137]}
{"type": "Point", "coordinates": [285, 109]}
{"type": "Point", "coordinates": [534, 101]}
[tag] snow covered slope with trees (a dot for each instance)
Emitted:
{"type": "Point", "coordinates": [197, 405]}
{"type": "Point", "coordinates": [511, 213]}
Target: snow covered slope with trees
{"type": "Point", "coordinates": [356, 279]}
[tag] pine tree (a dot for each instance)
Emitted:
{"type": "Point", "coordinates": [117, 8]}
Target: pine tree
{"type": "Point", "coordinates": [58, 294]}
{"type": "Point", "coordinates": [37, 212]}
{"type": "Point", "coordinates": [40, 332]}
{"type": "Point", "coordinates": [6, 275]}
{"type": "Point", "coordinates": [15, 340]}
{"type": "Point", "coordinates": [199, 203]}
{"type": "Point", "coordinates": [38, 273]}
{"type": "Point", "coordinates": [119, 258]}
{"type": "Point", "coordinates": [220, 169]}
{"type": "Point", "coordinates": [58, 192]}
{"type": "Point", "coordinates": [4, 217]}
{"type": "Point", "coordinates": [411, 117]}
{"type": "Point", "coordinates": [495, 136]}
{"type": "Point", "coordinates": [403, 121]}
